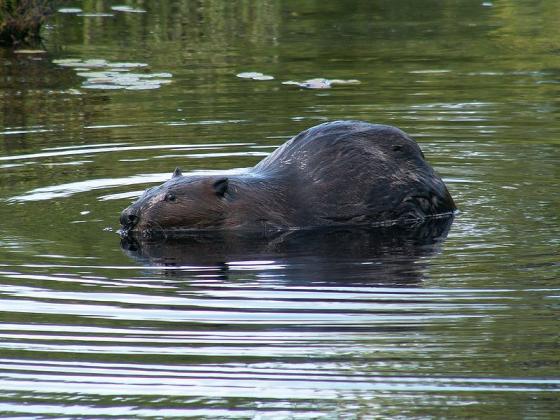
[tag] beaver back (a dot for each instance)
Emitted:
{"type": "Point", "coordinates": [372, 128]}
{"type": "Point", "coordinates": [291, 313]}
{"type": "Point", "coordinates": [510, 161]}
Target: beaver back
{"type": "Point", "coordinates": [356, 172]}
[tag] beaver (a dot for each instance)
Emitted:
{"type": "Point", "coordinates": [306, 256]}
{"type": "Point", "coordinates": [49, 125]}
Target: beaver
{"type": "Point", "coordinates": [341, 173]}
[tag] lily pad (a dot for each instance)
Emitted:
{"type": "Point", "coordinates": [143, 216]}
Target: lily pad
{"type": "Point", "coordinates": [264, 77]}
{"type": "Point", "coordinates": [125, 81]}
{"type": "Point", "coordinates": [70, 10]}
{"type": "Point", "coordinates": [155, 81]}
{"type": "Point", "coordinates": [311, 84]}
{"type": "Point", "coordinates": [128, 65]}
{"type": "Point", "coordinates": [143, 86]}
{"type": "Point", "coordinates": [100, 80]}
{"type": "Point", "coordinates": [102, 86]}
{"type": "Point", "coordinates": [320, 83]}
{"type": "Point", "coordinates": [96, 74]}
{"type": "Point", "coordinates": [96, 15]}
{"type": "Point", "coordinates": [83, 64]}
{"type": "Point", "coordinates": [159, 81]}
{"type": "Point", "coordinates": [102, 74]}
{"type": "Point", "coordinates": [154, 75]}
{"type": "Point", "coordinates": [96, 62]}
{"type": "Point", "coordinates": [66, 60]}
{"type": "Point", "coordinates": [30, 51]}
{"type": "Point", "coordinates": [108, 73]}
{"type": "Point", "coordinates": [345, 82]}
{"type": "Point", "coordinates": [127, 9]}
{"type": "Point", "coordinates": [254, 75]}
{"type": "Point", "coordinates": [70, 64]}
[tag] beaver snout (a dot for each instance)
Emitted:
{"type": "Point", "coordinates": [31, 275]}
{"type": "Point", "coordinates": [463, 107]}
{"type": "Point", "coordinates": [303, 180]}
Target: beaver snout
{"type": "Point", "coordinates": [129, 219]}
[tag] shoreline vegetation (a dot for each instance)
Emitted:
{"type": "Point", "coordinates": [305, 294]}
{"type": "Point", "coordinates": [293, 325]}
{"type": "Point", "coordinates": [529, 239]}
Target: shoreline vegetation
{"type": "Point", "coordinates": [21, 20]}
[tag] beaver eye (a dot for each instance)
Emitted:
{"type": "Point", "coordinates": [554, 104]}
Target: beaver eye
{"type": "Point", "coordinates": [170, 197]}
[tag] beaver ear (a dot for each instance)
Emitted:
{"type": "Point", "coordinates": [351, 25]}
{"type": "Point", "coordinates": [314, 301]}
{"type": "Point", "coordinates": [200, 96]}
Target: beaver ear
{"type": "Point", "coordinates": [220, 186]}
{"type": "Point", "coordinates": [177, 172]}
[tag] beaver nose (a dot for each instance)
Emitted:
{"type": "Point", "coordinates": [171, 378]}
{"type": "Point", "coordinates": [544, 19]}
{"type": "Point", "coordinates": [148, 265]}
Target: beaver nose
{"type": "Point", "coordinates": [128, 219]}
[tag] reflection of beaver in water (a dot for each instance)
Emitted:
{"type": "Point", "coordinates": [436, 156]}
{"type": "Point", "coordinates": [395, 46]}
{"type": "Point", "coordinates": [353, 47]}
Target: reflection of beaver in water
{"type": "Point", "coordinates": [390, 256]}
{"type": "Point", "coordinates": [334, 174]}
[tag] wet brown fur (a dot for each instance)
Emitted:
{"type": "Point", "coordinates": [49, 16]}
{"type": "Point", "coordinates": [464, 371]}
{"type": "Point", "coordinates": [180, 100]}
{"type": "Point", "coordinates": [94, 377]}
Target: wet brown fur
{"type": "Point", "coordinates": [333, 174]}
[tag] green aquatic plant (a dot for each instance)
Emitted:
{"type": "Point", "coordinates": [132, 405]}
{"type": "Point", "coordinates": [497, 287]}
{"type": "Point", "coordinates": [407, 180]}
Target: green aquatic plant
{"type": "Point", "coordinates": [21, 20]}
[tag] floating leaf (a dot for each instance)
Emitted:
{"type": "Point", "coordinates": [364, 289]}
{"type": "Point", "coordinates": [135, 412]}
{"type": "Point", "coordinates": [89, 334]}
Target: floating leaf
{"type": "Point", "coordinates": [125, 81]}
{"type": "Point", "coordinates": [96, 15]}
{"type": "Point", "coordinates": [117, 75]}
{"type": "Point", "coordinates": [102, 86]}
{"type": "Point", "coordinates": [70, 64]}
{"type": "Point", "coordinates": [128, 65]}
{"type": "Point", "coordinates": [30, 51]}
{"type": "Point", "coordinates": [311, 83]}
{"type": "Point", "coordinates": [100, 80]}
{"type": "Point", "coordinates": [96, 62]}
{"type": "Point", "coordinates": [345, 82]}
{"type": "Point", "coordinates": [254, 75]}
{"type": "Point", "coordinates": [143, 86]}
{"type": "Point", "coordinates": [155, 81]}
{"type": "Point", "coordinates": [152, 75]}
{"type": "Point", "coordinates": [95, 74]}
{"type": "Point", "coordinates": [127, 9]}
{"type": "Point", "coordinates": [247, 75]}
{"type": "Point", "coordinates": [126, 73]}
{"type": "Point", "coordinates": [83, 64]}
{"type": "Point", "coordinates": [320, 83]}
{"type": "Point", "coordinates": [66, 60]}
{"type": "Point", "coordinates": [263, 77]}
{"type": "Point", "coordinates": [316, 84]}
{"type": "Point", "coordinates": [70, 10]}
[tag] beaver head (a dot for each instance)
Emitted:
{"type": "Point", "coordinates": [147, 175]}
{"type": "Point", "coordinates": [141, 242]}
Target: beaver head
{"type": "Point", "coordinates": [192, 202]}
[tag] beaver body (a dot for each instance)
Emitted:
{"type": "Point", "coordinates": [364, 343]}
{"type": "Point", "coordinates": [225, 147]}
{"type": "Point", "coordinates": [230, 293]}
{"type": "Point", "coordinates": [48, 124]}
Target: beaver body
{"type": "Point", "coordinates": [334, 174]}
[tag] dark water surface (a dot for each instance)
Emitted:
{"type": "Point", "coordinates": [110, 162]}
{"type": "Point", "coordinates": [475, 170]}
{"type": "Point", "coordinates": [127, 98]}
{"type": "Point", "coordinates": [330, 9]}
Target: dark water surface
{"type": "Point", "coordinates": [347, 324]}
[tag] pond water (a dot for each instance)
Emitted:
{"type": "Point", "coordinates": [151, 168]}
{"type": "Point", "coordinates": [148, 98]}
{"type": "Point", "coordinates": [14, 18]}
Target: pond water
{"type": "Point", "coordinates": [457, 320]}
